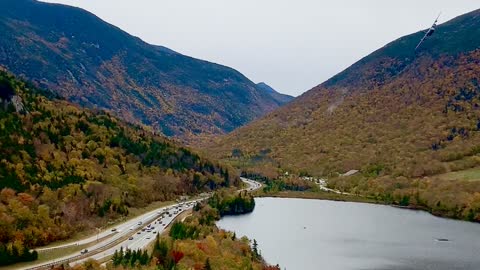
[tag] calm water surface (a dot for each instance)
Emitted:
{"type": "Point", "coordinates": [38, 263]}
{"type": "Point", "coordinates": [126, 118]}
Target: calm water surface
{"type": "Point", "coordinates": [326, 235]}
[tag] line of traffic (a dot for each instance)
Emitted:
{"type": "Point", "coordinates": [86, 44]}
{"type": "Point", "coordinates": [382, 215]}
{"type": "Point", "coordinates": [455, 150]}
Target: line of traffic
{"type": "Point", "coordinates": [135, 233]}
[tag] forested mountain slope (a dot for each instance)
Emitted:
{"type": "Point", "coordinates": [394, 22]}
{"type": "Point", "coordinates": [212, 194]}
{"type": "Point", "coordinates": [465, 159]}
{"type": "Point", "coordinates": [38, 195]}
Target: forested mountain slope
{"type": "Point", "coordinates": [64, 169]}
{"type": "Point", "coordinates": [397, 112]}
{"type": "Point", "coordinates": [93, 63]}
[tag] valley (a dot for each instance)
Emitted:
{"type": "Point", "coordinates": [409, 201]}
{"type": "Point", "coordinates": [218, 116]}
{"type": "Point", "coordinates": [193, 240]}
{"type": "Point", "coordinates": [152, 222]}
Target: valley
{"type": "Point", "coordinates": [120, 154]}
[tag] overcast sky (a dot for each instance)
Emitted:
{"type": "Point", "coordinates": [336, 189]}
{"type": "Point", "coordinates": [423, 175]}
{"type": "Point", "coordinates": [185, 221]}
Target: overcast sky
{"type": "Point", "coordinates": [290, 45]}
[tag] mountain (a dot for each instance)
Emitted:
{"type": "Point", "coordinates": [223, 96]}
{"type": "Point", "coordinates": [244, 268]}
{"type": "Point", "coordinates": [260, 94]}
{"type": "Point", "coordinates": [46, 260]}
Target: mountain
{"type": "Point", "coordinates": [397, 112]}
{"type": "Point", "coordinates": [65, 169]}
{"type": "Point", "coordinates": [93, 63]}
{"type": "Point", "coordinates": [280, 98]}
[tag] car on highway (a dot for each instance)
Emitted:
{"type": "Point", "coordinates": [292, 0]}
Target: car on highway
{"type": "Point", "coordinates": [84, 251]}
{"type": "Point", "coordinates": [131, 238]}
{"type": "Point", "coordinates": [139, 232]}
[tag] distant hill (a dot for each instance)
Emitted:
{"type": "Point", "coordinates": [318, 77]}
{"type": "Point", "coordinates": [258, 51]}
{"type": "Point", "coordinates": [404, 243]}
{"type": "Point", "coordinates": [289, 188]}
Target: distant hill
{"type": "Point", "coordinates": [93, 63]}
{"type": "Point", "coordinates": [397, 112]}
{"type": "Point", "coordinates": [64, 169]}
{"type": "Point", "coordinates": [280, 98]}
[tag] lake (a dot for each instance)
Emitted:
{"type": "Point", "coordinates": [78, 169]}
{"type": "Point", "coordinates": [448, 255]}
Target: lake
{"type": "Point", "coordinates": [327, 235]}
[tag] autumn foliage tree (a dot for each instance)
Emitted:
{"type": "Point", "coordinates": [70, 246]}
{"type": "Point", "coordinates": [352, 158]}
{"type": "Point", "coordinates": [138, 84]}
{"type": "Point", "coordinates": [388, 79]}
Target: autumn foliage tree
{"type": "Point", "coordinates": [65, 169]}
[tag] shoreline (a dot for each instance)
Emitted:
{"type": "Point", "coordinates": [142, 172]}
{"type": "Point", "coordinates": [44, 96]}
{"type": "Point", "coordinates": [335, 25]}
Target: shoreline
{"type": "Point", "coordinates": [317, 196]}
{"type": "Point", "coordinates": [327, 196]}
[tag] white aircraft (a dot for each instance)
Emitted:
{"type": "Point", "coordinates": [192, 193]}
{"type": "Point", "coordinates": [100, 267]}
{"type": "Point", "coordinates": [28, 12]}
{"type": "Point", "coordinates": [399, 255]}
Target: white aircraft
{"type": "Point", "coordinates": [429, 32]}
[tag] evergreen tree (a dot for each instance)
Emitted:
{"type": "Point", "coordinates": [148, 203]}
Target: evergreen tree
{"type": "Point", "coordinates": [145, 258]}
{"type": "Point", "coordinates": [115, 258]}
{"type": "Point", "coordinates": [134, 257]}
{"type": "Point", "coordinates": [207, 265]}
{"type": "Point", "coordinates": [255, 249]}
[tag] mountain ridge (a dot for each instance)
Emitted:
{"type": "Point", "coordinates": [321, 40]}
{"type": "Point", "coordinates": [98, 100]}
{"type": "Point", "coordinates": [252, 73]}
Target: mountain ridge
{"type": "Point", "coordinates": [431, 46]}
{"type": "Point", "coordinates": [277, 96]}
{"type": "Point", "coordinates": [406, 112]}
{"type": "Point", "coordinates": [96, 64]}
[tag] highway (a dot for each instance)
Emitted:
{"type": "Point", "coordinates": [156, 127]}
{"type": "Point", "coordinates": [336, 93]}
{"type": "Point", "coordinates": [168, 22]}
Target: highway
{"type": "Point", "coordinates": [322, 184]}
{"type": "Point", "coordinates": [135, 233]}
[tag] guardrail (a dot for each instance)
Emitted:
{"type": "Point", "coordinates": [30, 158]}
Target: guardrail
{"type": "Point", "coordinates": [44, 250]}
{"type": "Point", "coordinates": [49, 265]}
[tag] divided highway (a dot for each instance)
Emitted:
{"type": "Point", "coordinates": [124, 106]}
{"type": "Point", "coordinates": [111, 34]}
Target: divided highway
{"type": "Point", "coordinates": [135, 233]}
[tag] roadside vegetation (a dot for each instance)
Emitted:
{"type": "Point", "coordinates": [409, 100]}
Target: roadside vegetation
{"type": "Point", "coordinates": [64, 169]}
